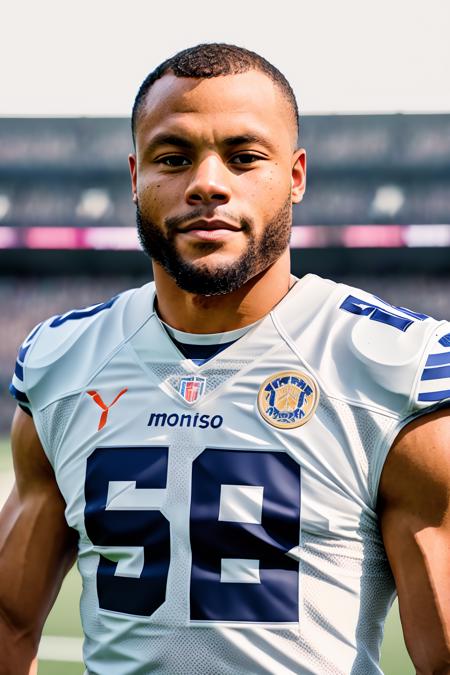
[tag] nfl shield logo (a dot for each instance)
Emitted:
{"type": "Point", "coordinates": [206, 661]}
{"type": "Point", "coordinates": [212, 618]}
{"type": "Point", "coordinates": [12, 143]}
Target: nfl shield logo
{"type": "Point", "coordinates": [192, 388]}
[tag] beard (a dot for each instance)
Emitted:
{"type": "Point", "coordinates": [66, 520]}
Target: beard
{"type": "Point", "coordinates": [199, 278]}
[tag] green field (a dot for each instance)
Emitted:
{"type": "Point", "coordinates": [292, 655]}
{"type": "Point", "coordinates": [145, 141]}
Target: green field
{"type": "Point", "coordinates": [63, 622]}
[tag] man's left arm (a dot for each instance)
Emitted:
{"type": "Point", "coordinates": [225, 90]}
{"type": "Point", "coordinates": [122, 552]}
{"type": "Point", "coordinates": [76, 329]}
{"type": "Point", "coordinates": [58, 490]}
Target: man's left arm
{"type": "Point", "coordinates": [414, 510]}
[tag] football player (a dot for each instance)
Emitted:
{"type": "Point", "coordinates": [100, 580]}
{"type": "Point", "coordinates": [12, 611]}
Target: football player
{"type": "Point", "coordinates": [248, 466]}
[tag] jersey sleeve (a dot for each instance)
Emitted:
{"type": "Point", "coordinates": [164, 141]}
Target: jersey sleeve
{"type": "Point", "coordinates": [433, 386]}
{"type": "Point", "coordinates": [18, 387]}
{"type": "Point", "coordinates": [59, 356]}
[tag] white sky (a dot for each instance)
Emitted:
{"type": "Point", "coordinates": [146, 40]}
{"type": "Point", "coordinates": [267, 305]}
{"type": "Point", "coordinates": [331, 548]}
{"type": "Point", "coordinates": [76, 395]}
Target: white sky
{"type": "Point", "coordinates": [88, 57]}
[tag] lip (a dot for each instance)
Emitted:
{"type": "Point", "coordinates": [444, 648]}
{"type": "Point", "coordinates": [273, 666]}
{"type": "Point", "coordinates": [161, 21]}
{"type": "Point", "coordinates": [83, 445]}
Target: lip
{"type": "Point", "coordinates": [209, 225]}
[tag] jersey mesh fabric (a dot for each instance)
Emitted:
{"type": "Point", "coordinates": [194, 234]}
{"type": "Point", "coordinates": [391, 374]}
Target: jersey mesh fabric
{"type": "Point", "coordinates": [370, 427]}
{"type": "Point", "coordinates": [365, 560]}
{"type": "Point", "coordinates": [364, 429]}
{"type": "Point", "coordinates": [339, 414]}
{"type": "Point", "coordinates": [54, 420]}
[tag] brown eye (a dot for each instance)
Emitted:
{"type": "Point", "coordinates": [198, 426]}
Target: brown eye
{"type": "Point", "coordinates": [245, 158]}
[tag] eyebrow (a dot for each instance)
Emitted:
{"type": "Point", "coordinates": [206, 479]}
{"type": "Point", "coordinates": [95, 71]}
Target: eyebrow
{"type": "Point", "coordinates": [244, 139]}
{"type": "Point", "coordinates": [169, 139]}
{"type": "Point", "coordinates": [182, 142]}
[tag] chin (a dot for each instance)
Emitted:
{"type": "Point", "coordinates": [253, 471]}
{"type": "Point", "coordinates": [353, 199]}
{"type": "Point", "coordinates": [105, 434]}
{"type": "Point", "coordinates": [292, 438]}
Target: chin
{"type": "Point", "coordinates": [211, 265]}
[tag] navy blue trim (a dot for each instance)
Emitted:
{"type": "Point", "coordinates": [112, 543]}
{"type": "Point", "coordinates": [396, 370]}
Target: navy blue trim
{"type": "Point", "coordinates": [23, 352]}
{"type": "Point", "coordinates": [82, 313]}
{"type": "Point", "coordinates": [435, 373]}
{"type": "Point", "coordinates": [25, 409]}
{"type": "Point", "coordinates": [445, 340]}
{"type": "Point", "coordinates": [434, 395]}
{"type": "Point", "coordinates": [404, 310]}
{"type": "Point", "coordinates": [32, 334]}
{"type": "Point", "coordinates": [18, 395]}
{"type": "Point", "coordinates": [18, 371]}
{"type": "Point", "coordinates": [438, 359]}
{"type": "Point", "coordinates": [375, 313]}
{"type": "Point", "coordinates": [199, 354]}
{"type": "Point", "coordinates": [200, 362]}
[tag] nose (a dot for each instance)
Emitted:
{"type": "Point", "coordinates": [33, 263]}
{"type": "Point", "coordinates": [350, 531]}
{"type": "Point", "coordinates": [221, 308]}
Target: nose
{"type": "Point", "coordinates": [209, 183]}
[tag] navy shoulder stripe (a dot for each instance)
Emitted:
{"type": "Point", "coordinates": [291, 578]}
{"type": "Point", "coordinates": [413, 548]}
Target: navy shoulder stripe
{"type": "Point", "coordinates": [18, 371]}
{"type": "Point", "coordinates": [435, 395]}
{"type": "Point", "coordinates": [435, 377]}
{"type": "Point", "coordinates": [438, 359]}
{"type": "Point", "coordinates": [23, 351]}
{"type": "Point", "coordinates": [436, 373]}
{"type": "Point", "coordinates": [18, 395]}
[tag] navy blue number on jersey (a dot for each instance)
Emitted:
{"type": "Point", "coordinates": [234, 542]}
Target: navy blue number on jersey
{"type": "Point", "coordinates": [244, 522]}
{"type": "Point", "coordinates": [240, 537]}
{"type": "Point", "coordinates": [116, 522]}
{"type": "Point", "coordinates": [381, 311]}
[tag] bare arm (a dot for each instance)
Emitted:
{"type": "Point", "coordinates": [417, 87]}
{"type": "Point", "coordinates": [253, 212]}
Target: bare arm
{"type": "Point", "coordinates": [37, 548]}
{"type": "Point", "coordinates": [414, 507]}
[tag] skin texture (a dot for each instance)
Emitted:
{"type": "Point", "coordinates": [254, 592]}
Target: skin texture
{"type": "Point", "coordinates": [37, 549]}
{"type": "Point", "coordinates": [414, 509]}
{"type": "Point", "coordinates": [206, 176]}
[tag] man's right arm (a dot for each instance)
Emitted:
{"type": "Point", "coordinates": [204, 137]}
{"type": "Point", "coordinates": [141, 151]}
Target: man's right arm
{"type": "Point", "coordinates": [37, 548]}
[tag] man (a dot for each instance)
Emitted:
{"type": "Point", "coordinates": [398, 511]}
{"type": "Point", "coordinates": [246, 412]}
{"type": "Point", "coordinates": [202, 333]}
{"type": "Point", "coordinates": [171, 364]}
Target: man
{"type": "Point", "coordinates": [240, 457]}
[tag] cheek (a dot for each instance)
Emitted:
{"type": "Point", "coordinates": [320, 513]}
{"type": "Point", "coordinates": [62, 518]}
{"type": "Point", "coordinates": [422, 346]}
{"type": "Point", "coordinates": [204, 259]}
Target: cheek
{"type": "Point", "coordinates": [272, 194]}
{"type": "Point", "coordinates": [153, 198]}
{"type": "Point", "coordinates": [162, 194]}
{"type": "Point", "coordinates": [279, 180]}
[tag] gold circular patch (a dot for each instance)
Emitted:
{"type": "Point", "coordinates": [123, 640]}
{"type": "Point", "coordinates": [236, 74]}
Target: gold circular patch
{"type": "Point", "coordinates": [288, 399]}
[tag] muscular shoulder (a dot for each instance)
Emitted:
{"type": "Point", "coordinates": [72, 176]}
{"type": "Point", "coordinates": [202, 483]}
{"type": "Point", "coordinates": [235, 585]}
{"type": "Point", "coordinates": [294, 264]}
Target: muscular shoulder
{"type": "Point", "coordinates": [366, 350]}
{"type": "Point", "coordinates": [417, 471]}
{"type": "Point", "coordinates": [61, 354]}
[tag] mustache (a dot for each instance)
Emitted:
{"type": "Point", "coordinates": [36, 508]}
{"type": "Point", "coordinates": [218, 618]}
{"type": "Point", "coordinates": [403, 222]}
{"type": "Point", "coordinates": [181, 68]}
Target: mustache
{"type": "Point", "coordinates": [246, 224]}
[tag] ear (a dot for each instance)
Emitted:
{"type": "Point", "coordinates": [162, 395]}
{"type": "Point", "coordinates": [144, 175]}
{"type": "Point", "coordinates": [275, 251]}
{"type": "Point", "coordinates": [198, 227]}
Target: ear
{"type": "Point", "coordinates": [298, 177]}
{"type": "Point", "coordinates": [132, 164]}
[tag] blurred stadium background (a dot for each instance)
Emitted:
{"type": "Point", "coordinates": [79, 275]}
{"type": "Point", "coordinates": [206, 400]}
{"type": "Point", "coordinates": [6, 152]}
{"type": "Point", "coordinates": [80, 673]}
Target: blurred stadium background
{"type": "Point", "coordinates": [376, 214]}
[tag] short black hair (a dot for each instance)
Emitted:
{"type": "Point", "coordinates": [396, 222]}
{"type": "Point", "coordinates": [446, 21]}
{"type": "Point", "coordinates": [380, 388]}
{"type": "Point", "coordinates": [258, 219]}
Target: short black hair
{"type": "Point", "coordinates": [213, 60]}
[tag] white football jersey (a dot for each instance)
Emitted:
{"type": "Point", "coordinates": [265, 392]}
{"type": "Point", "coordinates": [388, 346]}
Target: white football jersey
{"type": "Point", "coordinates": [226, 512]}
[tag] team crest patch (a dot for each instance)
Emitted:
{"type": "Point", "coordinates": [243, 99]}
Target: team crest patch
{"type": "Point", "coordinates": [192, 388]}
{"type": "Point", "coordinates": [288, 399]}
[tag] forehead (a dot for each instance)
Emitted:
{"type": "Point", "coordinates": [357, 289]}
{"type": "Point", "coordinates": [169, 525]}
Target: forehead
{"type": "Point", "coordinates": [239, 103]}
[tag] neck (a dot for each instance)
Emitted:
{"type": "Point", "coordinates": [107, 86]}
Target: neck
{"type": "Point", "coordinates": [219, 313]}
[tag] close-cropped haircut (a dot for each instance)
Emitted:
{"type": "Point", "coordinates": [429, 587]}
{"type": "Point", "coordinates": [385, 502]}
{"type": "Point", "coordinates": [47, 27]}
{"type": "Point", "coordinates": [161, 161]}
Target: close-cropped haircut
{"type": "Point", "coordinates": [213, 60]}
